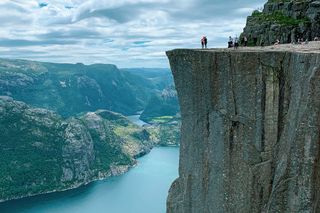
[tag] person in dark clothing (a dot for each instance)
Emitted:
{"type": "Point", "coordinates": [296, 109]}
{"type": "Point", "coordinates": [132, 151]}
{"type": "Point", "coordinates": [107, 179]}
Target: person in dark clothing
{"type": "Point", "coordinates": [204, 42]}
{"type": "Point", "coordinates": [236, 42]}
{"type": "Point", "coordinates": [230, 42]}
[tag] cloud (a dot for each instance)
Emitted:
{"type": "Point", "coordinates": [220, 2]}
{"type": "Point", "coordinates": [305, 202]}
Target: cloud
{"type": "Point", "coordinates": [43, 4]}
{"type": "Point", "coordinates": [129, 33]}
{"type": "Point", "coordinates": [21, 42]}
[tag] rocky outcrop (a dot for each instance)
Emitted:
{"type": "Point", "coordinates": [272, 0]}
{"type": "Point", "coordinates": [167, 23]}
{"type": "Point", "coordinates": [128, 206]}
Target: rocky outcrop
{"type": "Point", "coordinates": [77, 153]}
{"type": "Point", "coordinates": [250, 131]}
{"type": "Point", "coordinates": [284, 20]}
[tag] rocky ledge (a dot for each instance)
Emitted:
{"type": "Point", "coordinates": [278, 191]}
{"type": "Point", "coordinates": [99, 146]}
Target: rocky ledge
{"type": "Point", "coordinates": [250, 130]}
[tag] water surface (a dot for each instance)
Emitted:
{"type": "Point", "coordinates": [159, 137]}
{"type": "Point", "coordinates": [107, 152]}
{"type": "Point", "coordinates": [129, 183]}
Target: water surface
{"type": "Point", "coordinates": [136, 119]}
{"type": "Point", "coordinates": [143, 189]}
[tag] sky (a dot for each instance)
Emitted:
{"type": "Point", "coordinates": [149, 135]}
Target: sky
{"type": "Point", "coordinates": [128, 33]}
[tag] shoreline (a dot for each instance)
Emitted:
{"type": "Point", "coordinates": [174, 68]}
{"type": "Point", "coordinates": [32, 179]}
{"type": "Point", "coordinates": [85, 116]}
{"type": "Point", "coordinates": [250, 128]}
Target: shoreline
{"type": "Point", "coordinates": [96, 179]}
{"type": "Point", "coordinates": [114, 171]}
{"type": "Point", "coordinates": [101, 178]}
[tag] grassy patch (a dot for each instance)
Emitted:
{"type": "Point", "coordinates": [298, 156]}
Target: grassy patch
{"type": "Point", "coordinates": [278, 18]}
{"type": "Point", "coordinates": [162, 119]}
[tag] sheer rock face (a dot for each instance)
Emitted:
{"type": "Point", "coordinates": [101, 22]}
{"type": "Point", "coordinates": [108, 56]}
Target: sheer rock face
{"type": "Point", "coordinates": [250, 131]}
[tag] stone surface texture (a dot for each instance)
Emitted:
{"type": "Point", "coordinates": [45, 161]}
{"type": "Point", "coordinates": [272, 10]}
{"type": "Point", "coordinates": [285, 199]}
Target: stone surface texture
{"type": "Point", "coordinates": [284, 20]}
{"type": "Point", "coordinates": [250, 130]}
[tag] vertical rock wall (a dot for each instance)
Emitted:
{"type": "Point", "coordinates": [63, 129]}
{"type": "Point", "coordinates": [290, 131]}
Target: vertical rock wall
{"type": "Point", "coordinates": [250, 131]}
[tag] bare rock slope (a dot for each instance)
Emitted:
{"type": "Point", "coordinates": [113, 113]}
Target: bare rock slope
{"type": "Point", "coordinates": [250, 130]}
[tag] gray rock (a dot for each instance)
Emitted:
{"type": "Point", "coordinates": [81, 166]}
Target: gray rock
{"type": "Point", "coordinates": [315, 4]}
{"type": "Point", "coordinates": [279, 20]}
{"type": "Point", "coordinates": [78, 153]}
{"type": "Point", "coordinates": [250, 131]}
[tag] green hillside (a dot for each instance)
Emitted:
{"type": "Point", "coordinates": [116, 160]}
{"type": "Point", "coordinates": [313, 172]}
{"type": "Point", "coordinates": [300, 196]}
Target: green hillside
{"type": "Point", "coordinates": [73, 88]}
{"type": "Point", "coordinates": [42, 152]}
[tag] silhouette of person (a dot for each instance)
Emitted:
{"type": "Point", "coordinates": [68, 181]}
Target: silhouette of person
{"type": "Point", "coordinates": [236, 42]}
{"type": "Point", "coordinates": [204, 42]}
{"type": "Point", "coordinates": [230, 42]}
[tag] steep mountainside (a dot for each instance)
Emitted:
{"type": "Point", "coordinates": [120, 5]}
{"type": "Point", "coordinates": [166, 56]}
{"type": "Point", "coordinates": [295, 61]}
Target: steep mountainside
{"type": "Point", "coordinates": [73, 88]}
{"type": "Point", "coordinates": [69, 89]}
{"type": "Point", "coordinates": [250, 130]}
{"type": "Point", "coordinates": [284, 20]}
{"type": "Point", "coordinates": [42, 152]}
{"type": "Point", "coordinates": [161, 78]}
{"type": "Point", "coordinates": [164, 104]}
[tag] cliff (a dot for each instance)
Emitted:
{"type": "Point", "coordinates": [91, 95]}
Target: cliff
{"type": "Point", "coordinates": [286, 20]}
{"type": "Point", "coordinates": [250, 130]}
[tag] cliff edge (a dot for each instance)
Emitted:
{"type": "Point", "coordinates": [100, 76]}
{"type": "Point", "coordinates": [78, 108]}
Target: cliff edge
{"type": "Point", "coordinates": [250, 130]}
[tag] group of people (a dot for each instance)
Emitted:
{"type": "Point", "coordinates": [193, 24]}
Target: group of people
{"type": "Point", "coordinates": [234, 42]}
{"type": "Point", "coordinates": [304, 41]}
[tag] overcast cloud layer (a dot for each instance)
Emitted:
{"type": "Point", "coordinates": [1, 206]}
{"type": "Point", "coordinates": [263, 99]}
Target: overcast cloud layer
{"type": "Point", "coordinates": [128, 33]}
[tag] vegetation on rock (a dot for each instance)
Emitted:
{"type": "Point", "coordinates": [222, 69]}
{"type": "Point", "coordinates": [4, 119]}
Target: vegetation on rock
{"type": "Point", "coordinates": [70, 89]}
{"type": "Point", "coordinates": [286, 21]}
{"type": "Point", "coordinates": [63, 143]}
{"type": "Point", "coordinates": [42, 152]}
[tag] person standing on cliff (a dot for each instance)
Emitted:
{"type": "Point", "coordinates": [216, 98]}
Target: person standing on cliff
{"type": "Point", "coordinates": [204, 42]}
{"type": "Point", "coordinates": [230, 42]}
{"type": "Point", "coordinates": [236, 42]}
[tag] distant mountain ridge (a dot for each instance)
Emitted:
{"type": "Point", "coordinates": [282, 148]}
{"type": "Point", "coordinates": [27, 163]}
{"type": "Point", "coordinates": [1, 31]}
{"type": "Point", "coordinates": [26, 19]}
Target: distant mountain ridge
{"type": "Point", "coordinates": [165, 101]}
{"type": "Point", "coordinates": [74, 88]}
{"type": "Point", "coordinates": [160, 77]}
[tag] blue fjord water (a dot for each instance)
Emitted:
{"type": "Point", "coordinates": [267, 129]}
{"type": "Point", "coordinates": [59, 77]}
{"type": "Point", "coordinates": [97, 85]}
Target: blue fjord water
{"type": "Point", "coordinates": [136, 119]}
{"type": "Point", "coordinates": [143, 189]}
